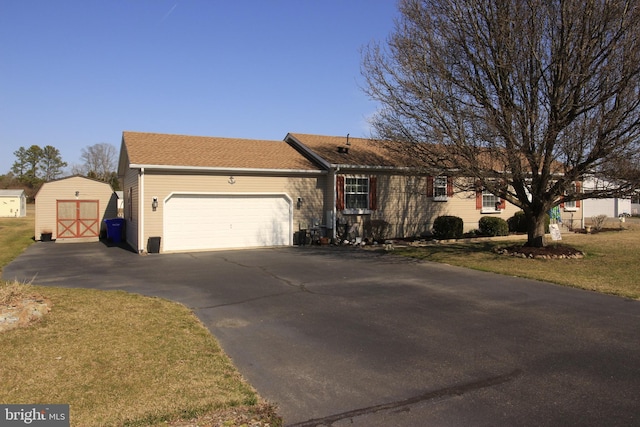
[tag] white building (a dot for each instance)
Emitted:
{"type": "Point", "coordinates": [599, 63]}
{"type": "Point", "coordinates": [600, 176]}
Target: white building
{"type": "Point", "coordinates": [611, 207]}
{"type": "Point", "coordinates": [13, 203]}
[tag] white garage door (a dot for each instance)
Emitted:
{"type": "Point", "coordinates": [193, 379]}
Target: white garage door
{"type": "Point", "coordinates": [200, 222]}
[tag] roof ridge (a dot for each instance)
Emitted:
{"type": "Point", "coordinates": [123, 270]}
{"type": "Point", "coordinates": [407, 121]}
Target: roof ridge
{"type": "Point", "coordinates": [201, 136]}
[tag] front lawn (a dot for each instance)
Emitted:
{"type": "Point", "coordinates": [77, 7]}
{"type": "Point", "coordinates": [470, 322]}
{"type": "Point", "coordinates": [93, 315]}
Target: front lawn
{"type": "Point", "coordinates": [611, 264]}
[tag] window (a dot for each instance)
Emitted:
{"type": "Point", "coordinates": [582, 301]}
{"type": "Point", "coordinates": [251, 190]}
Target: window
{"type": "Point", "coordinates": [490, 202]}
{"type": "Point", "coordinates": [356, 192]}
{"type": "Point", "coordinates": [572, 205]}
{"type": "Point", "coordinates": [487, 202]}
{"type": "Point", "coordinates": [440, 187]}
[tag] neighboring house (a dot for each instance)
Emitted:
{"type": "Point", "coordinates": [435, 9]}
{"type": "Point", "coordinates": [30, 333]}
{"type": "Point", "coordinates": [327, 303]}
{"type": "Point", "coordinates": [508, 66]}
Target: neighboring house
{"type": "Point", "coordinates": [635, 203]}
{"type": "Point", "coordinates": [189, 193]}
{"type": "Point", "coordinates": [73, 209]}
{"type": "Point", "coordinates": [13, 203]}
{"type": "Point", "coordinates": [610, 207]}
{"type": "Point", "coordinates": [120, 196]}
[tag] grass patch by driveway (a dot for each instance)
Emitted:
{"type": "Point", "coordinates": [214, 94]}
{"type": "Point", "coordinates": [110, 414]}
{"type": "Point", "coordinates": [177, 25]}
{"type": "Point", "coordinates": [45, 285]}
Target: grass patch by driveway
{"type": "Point", "coordinates": [15, 235]}
{"type": "Point", "coordinates": [611, 264]}
{"type": "Point", "coordinates": [118, 359]}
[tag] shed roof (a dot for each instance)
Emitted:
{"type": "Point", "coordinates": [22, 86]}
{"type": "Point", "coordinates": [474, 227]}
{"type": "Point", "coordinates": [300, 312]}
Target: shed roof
{"type": "Point", "coordinates": [11, 193]}
{"type": "Point", "coordinates": [156, 149]}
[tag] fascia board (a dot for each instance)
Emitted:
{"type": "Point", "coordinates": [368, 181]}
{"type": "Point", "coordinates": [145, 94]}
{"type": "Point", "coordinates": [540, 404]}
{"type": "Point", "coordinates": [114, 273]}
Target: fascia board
{"type": "Point", "coordinates": [225, 170]}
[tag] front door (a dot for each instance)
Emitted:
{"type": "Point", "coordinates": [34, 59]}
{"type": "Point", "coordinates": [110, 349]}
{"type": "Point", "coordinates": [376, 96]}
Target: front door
{"type": "Point", "coordinates": [77, 218]}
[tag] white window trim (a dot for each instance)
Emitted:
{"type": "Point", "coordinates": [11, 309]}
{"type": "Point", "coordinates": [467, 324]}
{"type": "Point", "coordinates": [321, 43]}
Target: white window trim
{"type": "Point", "coordinates": [444, 197]}
{"type": "Point", "coordinates": [488, 210]}
{"type": "Point", "coordinates": [573, 208]}
{"type": "Point", "coordinates": [356, 211]}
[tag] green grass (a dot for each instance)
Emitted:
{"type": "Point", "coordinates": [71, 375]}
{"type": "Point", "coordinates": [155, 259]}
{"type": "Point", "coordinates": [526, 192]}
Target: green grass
{"type": "Point", "coordinates": [611, 264]}
{"type": "Point", "coordinates": [118, 359]}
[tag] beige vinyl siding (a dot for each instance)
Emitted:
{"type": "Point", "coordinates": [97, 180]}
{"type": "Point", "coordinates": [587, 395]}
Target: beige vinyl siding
{"type": "Point", "coordinates": [403, 203]}
{"type": "Point", "coordinates": [162, 185]}
{"type": "Point", "coordinates": [131, 213]}
{"type": "Point", "coordinates": [65, 189]}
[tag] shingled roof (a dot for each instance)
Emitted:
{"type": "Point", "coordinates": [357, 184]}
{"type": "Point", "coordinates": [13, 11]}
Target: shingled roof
{"type": "Point", "coordinates": [156, 149]}
{"type": "Point", "coordinates": [356, 152]}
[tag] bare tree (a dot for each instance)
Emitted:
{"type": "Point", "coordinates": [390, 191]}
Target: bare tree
{"type": "Point", "coordinates": [99, 161]}
{"type": "Point", "coordinates": [524, 97]}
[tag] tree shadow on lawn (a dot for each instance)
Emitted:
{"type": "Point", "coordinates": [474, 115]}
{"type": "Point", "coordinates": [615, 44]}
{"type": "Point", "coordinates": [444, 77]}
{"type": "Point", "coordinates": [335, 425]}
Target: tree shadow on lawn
{"type": "Point", "coordinates": [438, 251]}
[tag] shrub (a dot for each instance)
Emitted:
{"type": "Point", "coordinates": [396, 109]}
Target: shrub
{"type": "Point", "coordinates": [376, 229]}
{"type": "Point", "coordinates": [518, 223]}
{"type": "Point", "coordinates": [447, 227]}
{"type": "Point", "coordinates": [598, 222]}
{"type": "Point", "coordinates": [493, 226]}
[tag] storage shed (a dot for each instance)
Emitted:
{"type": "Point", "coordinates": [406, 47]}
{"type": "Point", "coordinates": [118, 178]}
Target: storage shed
{"type": "Point", "coordinates": [13, 203]}
{"type": "Point", "coordinates": [73, 209]}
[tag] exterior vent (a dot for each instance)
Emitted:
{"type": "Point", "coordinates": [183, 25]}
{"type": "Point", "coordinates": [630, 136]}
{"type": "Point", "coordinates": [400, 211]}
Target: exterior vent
{"type": "Point", "coordinates": [344, 150]}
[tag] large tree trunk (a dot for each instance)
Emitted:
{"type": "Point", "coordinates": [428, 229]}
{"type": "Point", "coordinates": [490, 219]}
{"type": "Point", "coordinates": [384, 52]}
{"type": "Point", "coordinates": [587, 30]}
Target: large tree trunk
{"type": "Point", "coordinates": [536, 229]}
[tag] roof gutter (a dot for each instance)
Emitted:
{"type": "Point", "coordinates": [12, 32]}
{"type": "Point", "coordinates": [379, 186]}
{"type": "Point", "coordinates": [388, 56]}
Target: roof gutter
{"type": "Point", "coordinates": [223, 170]}
{"type": "Point", "coordinates": [344, 167]}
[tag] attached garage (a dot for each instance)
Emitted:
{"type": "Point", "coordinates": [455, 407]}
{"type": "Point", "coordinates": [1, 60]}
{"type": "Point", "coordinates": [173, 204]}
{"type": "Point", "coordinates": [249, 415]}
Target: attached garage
{"type": "Point", "coordinates": [190, 193]}
{"type": "Point", "coordinates": [213, 221]}
{"type": "Point", "coordinates": [73, 209]}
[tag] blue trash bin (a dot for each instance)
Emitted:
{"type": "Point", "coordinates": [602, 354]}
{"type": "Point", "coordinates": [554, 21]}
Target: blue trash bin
{"type": "Point", "coordinates": [115, 229]}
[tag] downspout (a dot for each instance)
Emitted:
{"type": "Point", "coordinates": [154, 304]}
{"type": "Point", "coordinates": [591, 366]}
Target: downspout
{"type": "Point", "coordinates": [335, 200]}
{"type": "Point", "coordinates": [141, 211]}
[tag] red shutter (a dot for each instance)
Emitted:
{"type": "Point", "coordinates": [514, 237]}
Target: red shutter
{"type": "Point", "coordinates": [373, 191]}
{"type": "Point", "coordinates": [478, 195]}
{"type": "Point", "coordinates": [429, 186]}
{"type": "Point", "coordinates": [340, 193]}
{"type": "Point", "coordinates": [449, 186]}
{"type": "Point", "coordinates": [503, 204]}
{"type": "Point", "coordinates": [578, 185]}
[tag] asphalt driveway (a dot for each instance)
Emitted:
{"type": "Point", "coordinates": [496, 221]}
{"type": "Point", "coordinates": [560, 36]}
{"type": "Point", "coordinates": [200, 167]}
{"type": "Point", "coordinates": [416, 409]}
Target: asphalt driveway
{"type": "Point", "coordinates": [348, 337]}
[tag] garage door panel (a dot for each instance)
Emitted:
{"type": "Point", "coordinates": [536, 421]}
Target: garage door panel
{"type": "Point", "coordinates": [200, 222]}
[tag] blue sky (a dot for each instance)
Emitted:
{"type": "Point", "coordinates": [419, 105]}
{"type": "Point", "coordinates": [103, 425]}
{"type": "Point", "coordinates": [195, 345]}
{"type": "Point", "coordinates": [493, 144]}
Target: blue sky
{"type": "Point", "coordinates": [75, 73]}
